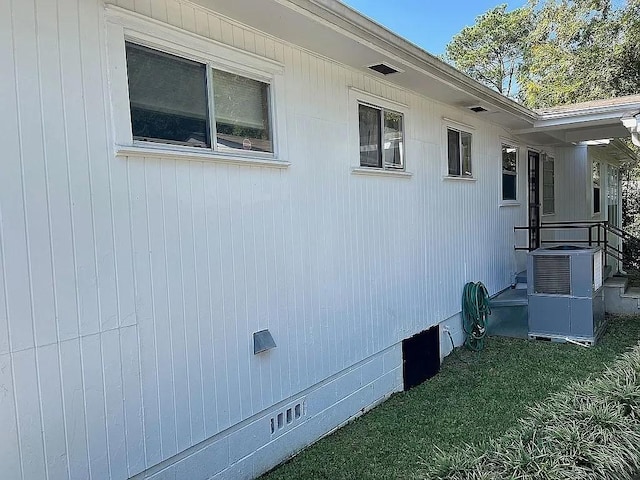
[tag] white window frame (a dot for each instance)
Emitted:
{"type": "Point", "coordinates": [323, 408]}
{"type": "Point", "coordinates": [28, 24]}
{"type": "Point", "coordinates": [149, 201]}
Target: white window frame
{"type": "Point", "coordinates": [510, 201]}
{"type": "Point", "coordinates": [449, 124]}
{"type": "Point", "coordinates": [123, 26]}
{"type": "Point", "coordinates": [359, 97]}
{"type": "Point", "coordinates": [544, 158]}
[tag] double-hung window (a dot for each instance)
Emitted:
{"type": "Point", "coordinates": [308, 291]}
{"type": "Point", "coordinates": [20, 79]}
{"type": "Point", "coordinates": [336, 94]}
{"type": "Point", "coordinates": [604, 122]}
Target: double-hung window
{"type": "Point", "coordinates": [177, 101]}
{"type": "Point", "coordinates": [458, 153]}
{"type": "Point", "coordinates": [509, 172]}
{"type": "Point", "coordinates": [381, 137]}
{"type": "Point", "coordinates": [548, 186]}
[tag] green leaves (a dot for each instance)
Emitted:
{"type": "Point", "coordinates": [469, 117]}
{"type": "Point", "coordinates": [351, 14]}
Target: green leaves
{"type": "Point", "coordinates": [491, 51]}
{"type": "Point", "coordinates": [554, 52]}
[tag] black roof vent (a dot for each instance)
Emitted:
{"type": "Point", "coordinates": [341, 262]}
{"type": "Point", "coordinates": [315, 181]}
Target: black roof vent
{"type": "Point", "coordinates": [384, 69]}
{"type": "Point", "coordinates": [478, 109]}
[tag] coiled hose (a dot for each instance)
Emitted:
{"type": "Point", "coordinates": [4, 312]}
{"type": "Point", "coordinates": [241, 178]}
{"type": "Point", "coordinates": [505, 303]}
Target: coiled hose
{"type": "Point", "coordinates": [475, 310]}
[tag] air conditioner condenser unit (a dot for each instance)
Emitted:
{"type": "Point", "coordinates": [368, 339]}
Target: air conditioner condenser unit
{"type": "Point", "coordinates": [566, 299]}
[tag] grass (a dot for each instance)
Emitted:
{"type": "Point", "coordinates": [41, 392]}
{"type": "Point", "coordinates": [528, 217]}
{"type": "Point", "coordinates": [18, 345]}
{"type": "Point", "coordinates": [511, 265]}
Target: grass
{"type": "Point", "coordinates": [475, 397]}
{"type": "Point", "coordinates": [591, 430]}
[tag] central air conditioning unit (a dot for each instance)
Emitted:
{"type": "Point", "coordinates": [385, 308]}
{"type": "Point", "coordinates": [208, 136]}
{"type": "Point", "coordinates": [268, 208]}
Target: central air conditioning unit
{"type": "Point", "coordinates": [566, 299]}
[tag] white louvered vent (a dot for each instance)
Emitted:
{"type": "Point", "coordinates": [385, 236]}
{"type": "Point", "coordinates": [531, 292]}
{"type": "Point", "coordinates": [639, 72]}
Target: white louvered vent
{"type": "Point", "coordinates": [552, 274]}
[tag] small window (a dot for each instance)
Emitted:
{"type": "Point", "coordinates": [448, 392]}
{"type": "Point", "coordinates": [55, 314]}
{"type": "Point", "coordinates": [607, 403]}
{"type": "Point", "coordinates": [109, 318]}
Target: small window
{"type": "Point", "coordinates": [170, 103]}
{"type": "Point", "coordinates": [381, 137]}
{"type": "Point", "coordinates": [548, 186]}
{"type": "Point", "coordinates": [596, 187]}
{"type": "Point", "coordinates": [459, 153]}
{"type": "Point", "coordinates": [509, 172]}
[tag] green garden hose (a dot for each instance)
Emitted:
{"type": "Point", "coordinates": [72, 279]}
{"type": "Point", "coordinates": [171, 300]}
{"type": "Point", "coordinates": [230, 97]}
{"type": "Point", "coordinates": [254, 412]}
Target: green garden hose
{"type": "Point", "coordinates": [475, 310]}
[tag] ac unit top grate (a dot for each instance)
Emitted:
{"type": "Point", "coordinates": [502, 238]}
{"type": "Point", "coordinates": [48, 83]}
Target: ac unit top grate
{"type": "Point", "coordinates": [552, 274]}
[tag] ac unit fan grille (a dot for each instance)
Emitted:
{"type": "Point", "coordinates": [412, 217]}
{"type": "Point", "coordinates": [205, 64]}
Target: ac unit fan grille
{"type": "Point", "coordinates": [552, 274]}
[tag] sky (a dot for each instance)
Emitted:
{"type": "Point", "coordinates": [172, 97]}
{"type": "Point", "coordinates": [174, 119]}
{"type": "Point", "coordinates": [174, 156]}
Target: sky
{"type": "Point", "coordinates": [430, 24]}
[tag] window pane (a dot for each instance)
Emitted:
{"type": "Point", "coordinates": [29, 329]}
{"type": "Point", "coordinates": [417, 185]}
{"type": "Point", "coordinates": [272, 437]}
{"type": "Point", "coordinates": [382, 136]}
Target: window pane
{"type": "Point", "coordinates": [466, 153]}
{"type": "Point", "coordinates": [393, 141]}
{"type": "Point", "coordinates": [168, 98]}
{"type": "Point", "coordinates": [508, 186]}
{"type": "Point", "coordinates": [509, 158]}
{"type": "Point", "coordinates": [242, 112]}
{"type": "Point", "coordinates": [453, 151]}
{"type": "Point", "coordinates": [509, 172]}
{"type": "Point", "coordinates": [369, 124]}
{"type": "Point", "coordinates": [548, 182]}
{"type": "Point", "coordinates": [596, 199]}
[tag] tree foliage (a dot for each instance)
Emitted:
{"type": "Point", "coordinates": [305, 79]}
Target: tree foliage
{"type": "Point", "coordinates": [491, 51]}
{"type": "Point", "coordinates": [554, 52]}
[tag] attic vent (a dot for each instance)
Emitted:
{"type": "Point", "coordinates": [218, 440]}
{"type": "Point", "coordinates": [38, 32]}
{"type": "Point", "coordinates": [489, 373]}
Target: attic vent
{"type": "Point", "coordinates": [552, 274]}
{"type": "Point", "coordinates": [478, 109]}
{"type": "Point", "coordinates": [383, 68]}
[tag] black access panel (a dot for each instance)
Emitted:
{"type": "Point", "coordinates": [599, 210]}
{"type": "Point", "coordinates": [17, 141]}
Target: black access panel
{"type": "Point", "coordinates": [420, 357]}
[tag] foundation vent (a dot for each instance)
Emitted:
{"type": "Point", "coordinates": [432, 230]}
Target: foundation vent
{"type": "Point", "coordinates": [286, 418]}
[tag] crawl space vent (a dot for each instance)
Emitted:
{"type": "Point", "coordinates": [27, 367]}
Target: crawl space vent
{"type": "Point", "coordinates": [478, 109]}
{"type": "Point", "coordinates": [420, 357]}
{"type": "Point", "coordinates": [383, 68]}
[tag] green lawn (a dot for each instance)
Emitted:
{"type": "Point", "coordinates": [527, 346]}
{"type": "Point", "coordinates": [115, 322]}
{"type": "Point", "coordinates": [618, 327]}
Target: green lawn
{"type": "Point", "coordinates": [474, 397]}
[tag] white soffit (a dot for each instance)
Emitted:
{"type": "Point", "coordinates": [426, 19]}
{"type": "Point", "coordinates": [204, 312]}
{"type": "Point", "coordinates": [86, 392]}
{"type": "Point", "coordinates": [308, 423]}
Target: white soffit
{"type": "Point", "coordinates": [334, 30]}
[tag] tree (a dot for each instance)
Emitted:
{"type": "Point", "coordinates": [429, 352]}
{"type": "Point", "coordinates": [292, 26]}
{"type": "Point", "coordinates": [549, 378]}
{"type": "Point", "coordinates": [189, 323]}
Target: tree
{"type": "Point", "coordinates": [491, 51]}
{"type": "Point", "coordinates": [571, 52]}
{"type": "Point", "coordinates": [554, 52]}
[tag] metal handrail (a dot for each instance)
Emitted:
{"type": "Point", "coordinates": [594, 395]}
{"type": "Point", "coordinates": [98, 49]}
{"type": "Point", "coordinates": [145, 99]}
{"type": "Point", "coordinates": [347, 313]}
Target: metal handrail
{"type": "Point", "coordinates": [602, 228]}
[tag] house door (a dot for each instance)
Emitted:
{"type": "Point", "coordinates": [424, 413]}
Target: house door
{"type": "Point", "coordinates": [534, 200]}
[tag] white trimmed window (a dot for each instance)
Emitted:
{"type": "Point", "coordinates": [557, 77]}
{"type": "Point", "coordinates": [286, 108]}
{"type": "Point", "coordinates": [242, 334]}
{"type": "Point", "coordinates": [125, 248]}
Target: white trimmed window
{"type": "Point", "coordinates": [458, 153]}
{"type": "Point", "coordinates": [509, 172]}
{"type": "Point", "coordinates": [548, 186]}
{"type": "Point", "coordinates": [178, 95]}
{"type": "Point", "coordinates": [595, 175]}
{"type": "Point", "coordinates": [381, 133]}
{"type": "Point", "coordinates": [177, 101]}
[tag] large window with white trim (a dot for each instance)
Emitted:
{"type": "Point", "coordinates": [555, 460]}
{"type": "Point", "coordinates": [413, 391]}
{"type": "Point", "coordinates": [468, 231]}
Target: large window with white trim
{"type": "Point", "coordinates": [178, 101]}
{"type": "Point", "coordinates": [381, 137]}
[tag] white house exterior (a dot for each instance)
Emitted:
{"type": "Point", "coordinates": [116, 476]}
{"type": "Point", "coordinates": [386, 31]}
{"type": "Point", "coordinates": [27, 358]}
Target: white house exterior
{"type": "Point", "coordinates": [135, 269]}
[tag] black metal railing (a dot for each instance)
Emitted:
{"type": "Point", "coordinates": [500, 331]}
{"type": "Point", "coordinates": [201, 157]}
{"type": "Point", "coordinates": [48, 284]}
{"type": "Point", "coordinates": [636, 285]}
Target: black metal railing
{"type": "Point", "coordinates": [595, 233]}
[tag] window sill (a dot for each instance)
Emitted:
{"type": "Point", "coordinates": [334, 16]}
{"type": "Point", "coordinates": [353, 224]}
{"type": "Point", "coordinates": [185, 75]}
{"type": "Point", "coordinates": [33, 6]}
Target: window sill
{"type": "Point", "coordinates": [459, 179]}
{"type": "Point", "coordinates": [380, 172]}
{"type": "Point", "coordinates": [509, 203]}
{"type": "Point", "coordinates": [209, 156]}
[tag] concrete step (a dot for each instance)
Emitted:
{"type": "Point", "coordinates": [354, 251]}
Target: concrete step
{"type": "Point", "coordinates": [619, 297]}
{"type": "Point", "coordinates": [509, 314]}
{"type": "Point", "coordinates": [521, 277]}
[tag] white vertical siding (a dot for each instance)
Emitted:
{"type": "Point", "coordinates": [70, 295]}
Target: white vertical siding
{"type": "Point", "coordinates": [131, 287]}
